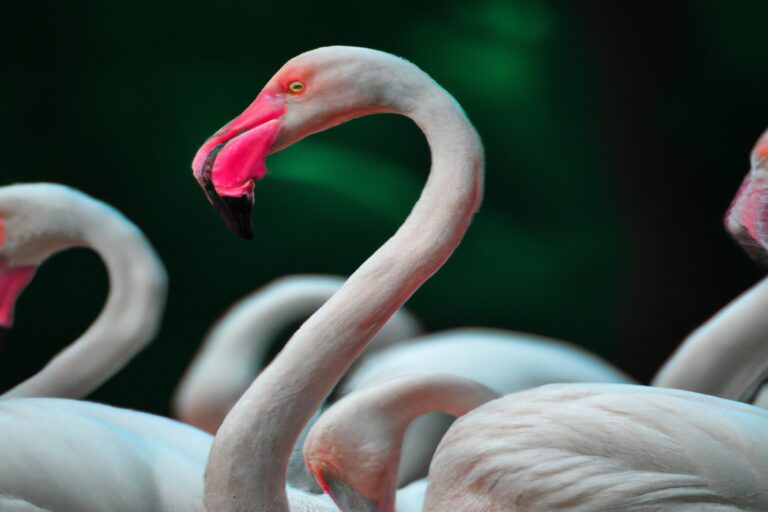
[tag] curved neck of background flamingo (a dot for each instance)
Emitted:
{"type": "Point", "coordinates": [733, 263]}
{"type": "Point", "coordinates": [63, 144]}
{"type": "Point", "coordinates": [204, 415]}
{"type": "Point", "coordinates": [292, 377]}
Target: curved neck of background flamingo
{"type": "Point", "coordinates": [128, 321]}
{"type": "Point", "coordinates": [250, 453]}
{"type": "Point", "coordinates": [407, 398]}
{"type": "Point", "coordinates": [239, 345]}
{"type": "Point", "coordinates": [728, 355]}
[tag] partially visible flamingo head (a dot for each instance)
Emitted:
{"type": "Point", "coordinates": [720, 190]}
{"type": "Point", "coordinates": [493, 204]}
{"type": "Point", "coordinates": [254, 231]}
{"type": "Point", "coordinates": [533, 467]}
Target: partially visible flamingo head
{"type": "Point", "coordinates": [355, 459]}
{"type": "Point", "coordinates": [747, 217]}
{"type": "Point", "coordinates": [314, 91]}
{"type": "Point", "coordinates": [33, 225]}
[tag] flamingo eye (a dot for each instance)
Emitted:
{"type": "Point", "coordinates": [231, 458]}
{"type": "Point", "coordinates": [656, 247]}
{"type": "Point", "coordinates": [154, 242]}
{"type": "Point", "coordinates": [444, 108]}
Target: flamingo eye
{"type": "Point", "coordinates": [296, 87]}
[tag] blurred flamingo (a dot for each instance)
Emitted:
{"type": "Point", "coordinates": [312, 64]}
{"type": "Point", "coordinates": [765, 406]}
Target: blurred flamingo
{"type": "Point", "coordinates": [38, 220]}
{"type": "Point", "coordinates": [74, 456]}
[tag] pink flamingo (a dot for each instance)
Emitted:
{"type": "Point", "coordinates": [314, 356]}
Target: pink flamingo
{"type": "Point", "coordinates": [39, 220]}
{"type": "Point", "coordinates": [314, 91]}
{"type": "Point", "coordinates": [74, 456]}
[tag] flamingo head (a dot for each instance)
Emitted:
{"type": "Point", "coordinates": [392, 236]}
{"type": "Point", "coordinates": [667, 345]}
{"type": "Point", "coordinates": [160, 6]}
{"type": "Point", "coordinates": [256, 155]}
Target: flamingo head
{"type": "Point", "coordinates": [353, 460]}
{"type": "Point", "coordinates": [36, 221]}
{"type": "Point", "coordinates": [13, 280]}
{"type": "Point", "coordinates": [747, 217]}
{"type": "Point", "coordinates": [310, 93]}
{"type": "Point", "coordinates": [344, 493]}
{"type": "Point", "coordinates": [14, 277]}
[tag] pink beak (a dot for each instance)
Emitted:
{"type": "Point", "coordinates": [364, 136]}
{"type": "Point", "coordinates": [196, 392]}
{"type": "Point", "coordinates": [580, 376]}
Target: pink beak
{"type": "Point", "coordinates": [747, 218]}
{"type": "Point", "coordinates": [13, 280]}
{"type": "Point", "coordinates": [229, 162]}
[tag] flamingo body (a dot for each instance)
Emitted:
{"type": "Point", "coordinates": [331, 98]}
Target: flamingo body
{"type": "Point", "coordinates": [603, 447]}
{"type": "Point", "coordinates": [63, 455]}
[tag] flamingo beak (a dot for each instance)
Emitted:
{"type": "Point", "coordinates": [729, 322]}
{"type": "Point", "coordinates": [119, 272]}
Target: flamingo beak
{"type": "Point", "coordinates": [747, 218]}
{"type": "Point", "coordinates": [13, 280]}
{"type": "Point", "coordinates": [347, 499]}
{"type": "Point", "coordinates": [230, 161]}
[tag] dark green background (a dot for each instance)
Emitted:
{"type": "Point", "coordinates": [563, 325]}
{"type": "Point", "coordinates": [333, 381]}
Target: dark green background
{"type": "Point", "coordinates": [615, 136]}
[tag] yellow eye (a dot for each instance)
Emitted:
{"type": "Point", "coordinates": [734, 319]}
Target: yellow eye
{"type": "Point", "coordinates": [296, 87]}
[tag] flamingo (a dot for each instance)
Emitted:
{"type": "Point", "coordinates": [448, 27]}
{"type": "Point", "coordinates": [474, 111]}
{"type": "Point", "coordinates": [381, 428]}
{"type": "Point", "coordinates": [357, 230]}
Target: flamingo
{"type": "Point", "coordinates": [237, 347]}
{"type": "Point", "coordinates": [38, 220]}
{"type": "Point", "coordinates": [217, 164]}
{"type": "Point", "coordinates": [618, 447]}
{"type": "Point", "coordinates": [315, 91]}
{"type": "Point", "coordinates": [69, 455]}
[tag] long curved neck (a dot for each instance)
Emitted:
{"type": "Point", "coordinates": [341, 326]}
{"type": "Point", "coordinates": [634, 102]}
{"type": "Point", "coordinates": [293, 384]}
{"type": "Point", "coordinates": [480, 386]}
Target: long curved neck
{"type": "Point", "coordinates": [250, 453]}
{"type": "Point", "coordinates": [128, 321]}
{"type": "Point", "coordinates": [728, 355]}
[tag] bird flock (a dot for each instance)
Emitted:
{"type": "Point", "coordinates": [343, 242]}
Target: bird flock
{"type": "Point", "coordinates": [361, 411]}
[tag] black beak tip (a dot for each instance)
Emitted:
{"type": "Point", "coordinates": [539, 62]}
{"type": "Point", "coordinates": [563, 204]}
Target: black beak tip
{"type": "Point", "coordinates": [235, 211]}
{"type": "Point", "coordinates": [754, 248]}
{"type": "Point", "coordinates": [347, 499]}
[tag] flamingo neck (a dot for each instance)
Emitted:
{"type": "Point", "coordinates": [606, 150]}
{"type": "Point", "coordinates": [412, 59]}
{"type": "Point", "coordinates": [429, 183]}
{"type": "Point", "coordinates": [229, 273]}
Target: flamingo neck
{"type": "Point", "coordinates": [406, 399]}
{"type": "Point", "coordinates": [127, 322]}
{"type": "Point", "coordinates": [360, 420]}
{"type": "Point", "coordinates": [727, 356]}
{"type": "Point", "coordinates": [249, 457]}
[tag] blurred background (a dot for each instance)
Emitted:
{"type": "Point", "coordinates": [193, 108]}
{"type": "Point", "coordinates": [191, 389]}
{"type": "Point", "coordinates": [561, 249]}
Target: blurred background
{"type": "Point", "coordinates": [616, 134]}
